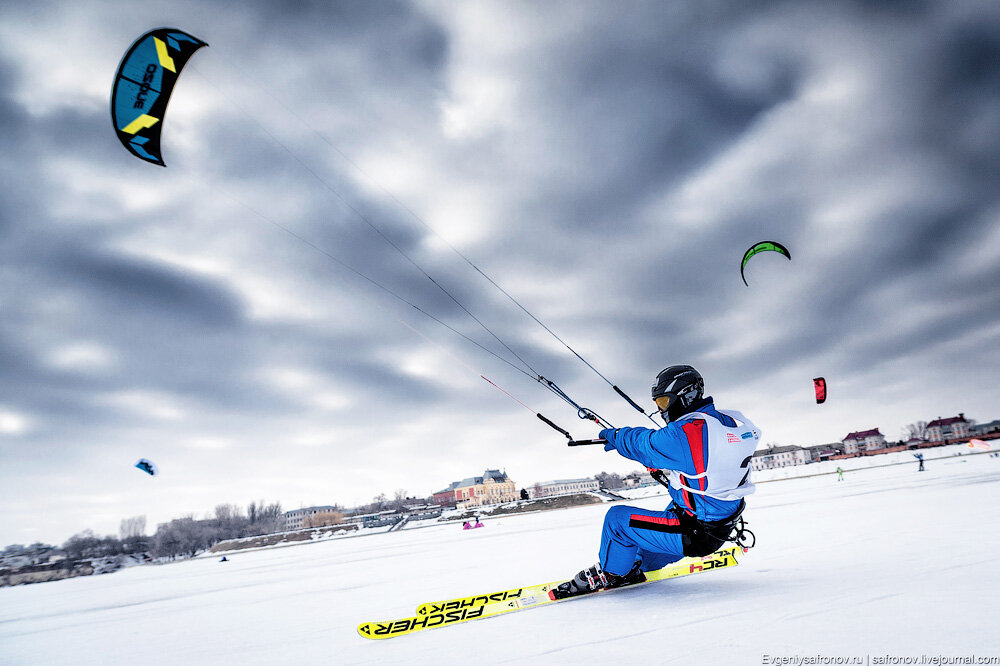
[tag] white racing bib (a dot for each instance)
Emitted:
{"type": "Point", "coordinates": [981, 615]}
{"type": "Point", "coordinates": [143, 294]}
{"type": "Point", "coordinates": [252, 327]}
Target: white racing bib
{"type": "Point", "coordinates": [727, 473]}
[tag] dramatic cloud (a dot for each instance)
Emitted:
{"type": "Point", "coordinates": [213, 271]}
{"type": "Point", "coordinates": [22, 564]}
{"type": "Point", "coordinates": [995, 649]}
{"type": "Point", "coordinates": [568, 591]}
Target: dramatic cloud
{"type": "Point", "coordinates": [281, 313]}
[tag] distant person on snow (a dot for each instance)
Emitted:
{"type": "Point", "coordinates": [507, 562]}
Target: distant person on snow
{"type": "Point", "coordinates": [706, 454]}
{"type": "Point", "coordinates": [920, 457]}
{"type": "Point", "coordinates": [840, 474]}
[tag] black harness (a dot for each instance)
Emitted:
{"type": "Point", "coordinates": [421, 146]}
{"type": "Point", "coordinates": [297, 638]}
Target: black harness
{"type": "Point", "coordinates": [702, 537]}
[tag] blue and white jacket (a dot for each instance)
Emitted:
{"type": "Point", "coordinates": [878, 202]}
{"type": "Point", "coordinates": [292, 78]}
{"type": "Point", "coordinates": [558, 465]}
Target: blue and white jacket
{"type": "Point", "coordinates": [706, 454]}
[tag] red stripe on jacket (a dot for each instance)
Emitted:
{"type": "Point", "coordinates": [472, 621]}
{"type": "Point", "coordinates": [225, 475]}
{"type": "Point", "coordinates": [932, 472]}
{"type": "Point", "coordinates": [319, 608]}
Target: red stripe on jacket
{"type": "Point", "coordinates": [695, 431]}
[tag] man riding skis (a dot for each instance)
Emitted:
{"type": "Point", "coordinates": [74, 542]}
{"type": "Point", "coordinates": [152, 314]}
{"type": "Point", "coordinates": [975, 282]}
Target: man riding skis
{"type": "Point", "coordinates": [704, 454]}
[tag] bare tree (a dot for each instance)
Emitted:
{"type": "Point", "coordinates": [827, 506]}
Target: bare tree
{"type": "Point", "coordinates": [263, 518]}
{"type": "Point", "coordinates": [229, 521]}
{"type": "Point", "coordinates": [86, 545]}
{"type": "Point", "coordinates": [609, 481]}
{"type": "Point", "coordinates": [253, 511]}
{"type": "Point", "coordinates": [399, 499]}
{"type": "Point", "coordinates": [916, 430]}
{"type": "Point", "coordinates": [166, 541]}
{"type": "Point", "coordinates": [132, 527]}
{"type": "Point", "coordinates": [226, 512]}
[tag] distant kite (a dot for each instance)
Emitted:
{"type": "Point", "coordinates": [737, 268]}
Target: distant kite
{"type": "Point", "coordinates": [145, 79]}
{"type": "Point", "coordinates": [763, 246]}
{"type": "Point", "coordinates": [979, 444]}
{"type": "Point", "coordinates": [147, 466]}
{"type": "Point", "coordinates": [820, 385]}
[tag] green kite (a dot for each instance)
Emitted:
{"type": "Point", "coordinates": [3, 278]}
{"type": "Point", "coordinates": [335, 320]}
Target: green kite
{"type": "Point", "coordinates": [763, 246]}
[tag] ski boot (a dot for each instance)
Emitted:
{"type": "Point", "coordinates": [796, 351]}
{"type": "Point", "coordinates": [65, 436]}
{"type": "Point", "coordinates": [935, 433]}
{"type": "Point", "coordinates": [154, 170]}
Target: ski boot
{"type": "Point", "coordinates": [593, 579]}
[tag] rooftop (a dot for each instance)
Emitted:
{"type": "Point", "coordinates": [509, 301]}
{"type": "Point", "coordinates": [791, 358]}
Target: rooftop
{"type": "Point", "coordinates": [310, 508]}
{"type": "Point", "coordinates": [490, 474]}
{"type": "Point", "coordinates": [825, 447]}
{"type": "Point", "coordinates": [949, 421]}
{"type": "Point", "coordinates": [862, 434]}
{"type": "Point", "coordinates": [776, 449]}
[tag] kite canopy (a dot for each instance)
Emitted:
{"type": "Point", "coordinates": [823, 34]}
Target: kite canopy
{"type": "Point", "coordinates": [147, 466]}
{"type": "Point", "coordinates": [757, 248]}
{"type": "Point", "coordinates": [142, 87]}
{"type": "Point", "coordinates": [820, 385]}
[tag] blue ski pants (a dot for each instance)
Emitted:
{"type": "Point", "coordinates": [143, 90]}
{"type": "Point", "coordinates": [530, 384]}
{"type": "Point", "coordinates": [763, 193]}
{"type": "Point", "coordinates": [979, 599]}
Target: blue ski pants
{"type": "Point", "coordinates": [631, 533]}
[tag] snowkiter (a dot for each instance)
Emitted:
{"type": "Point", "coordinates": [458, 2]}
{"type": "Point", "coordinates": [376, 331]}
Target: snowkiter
{"type": "Point", "coordinates": [920, 457]}
{"type": "Point", "coordinates": [704, 453]}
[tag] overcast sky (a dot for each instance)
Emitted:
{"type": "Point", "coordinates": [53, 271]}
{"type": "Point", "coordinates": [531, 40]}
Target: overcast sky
{"type": "Point", "coordinates": [607, 164]}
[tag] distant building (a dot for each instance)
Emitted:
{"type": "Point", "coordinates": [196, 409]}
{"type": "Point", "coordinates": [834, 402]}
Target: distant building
{"type": "Point", "coordinates": [639, 479]}
{"type": "Point", "coordinates": [779, 456]}
{"type": "Point", "coordinates": [446, 497]}
{"type": "Point", "coordinates": [865, 440]}
{"type": "Point", "coordinates": [565, 487]}
{"type": "Point", "coordinates": [820, 452]}
{"type": "Point", "coordinates": [294, 519]}
{"type": "Point", "coordinates": [940, 429]}
{"type": "Point", "coordinates": [421, 511]}
{"type": "Point", "coordinates": [376, 519]}
{"type": "Point", "coordinates": [493, 487]}
{"type": "Point", "coordinates": [981, 429]}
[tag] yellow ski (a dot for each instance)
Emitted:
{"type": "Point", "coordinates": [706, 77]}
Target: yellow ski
{"type": "Point", "coordinates": [464, 609]}
{"type": "Point", "coordinates": [673, 570]}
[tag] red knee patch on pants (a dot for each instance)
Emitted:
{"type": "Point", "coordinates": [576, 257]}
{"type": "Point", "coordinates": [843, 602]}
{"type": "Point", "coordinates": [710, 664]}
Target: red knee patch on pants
{"type": "Point", "coordinates": [655, 523]}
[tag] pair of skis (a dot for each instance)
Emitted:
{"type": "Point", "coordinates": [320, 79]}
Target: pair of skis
{"type": "Point", "coordinates": [463, 609]}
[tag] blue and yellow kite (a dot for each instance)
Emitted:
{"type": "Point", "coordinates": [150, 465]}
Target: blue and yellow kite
{"type": "Point", "coordinates": [145, 79]}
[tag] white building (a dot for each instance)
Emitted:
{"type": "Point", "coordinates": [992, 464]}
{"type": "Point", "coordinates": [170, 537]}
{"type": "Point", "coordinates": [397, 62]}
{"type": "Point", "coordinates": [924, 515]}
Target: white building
{"type": "Point", "coordinates": [940, 429]}
{"type": "Point", "coordinates": [566, 487]}
{"type": "Point", "coordinates": [293, 519]}
{"type": "Point", "coordinates": [865, 440]}
{"type": "Point", "coordinates": [779, 456]}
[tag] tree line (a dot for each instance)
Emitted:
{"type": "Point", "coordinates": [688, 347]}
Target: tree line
{"type": "Point", "coordinates": [180, 537]}
{"type": "Point", "coordinates": [187, 536]}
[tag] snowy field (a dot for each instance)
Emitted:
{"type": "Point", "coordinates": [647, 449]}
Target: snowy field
{"type": "Point", "coordinates": [889, 562]}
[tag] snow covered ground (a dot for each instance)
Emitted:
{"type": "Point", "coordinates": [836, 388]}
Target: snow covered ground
{"type": "Point", "coordinates": [889, 562]}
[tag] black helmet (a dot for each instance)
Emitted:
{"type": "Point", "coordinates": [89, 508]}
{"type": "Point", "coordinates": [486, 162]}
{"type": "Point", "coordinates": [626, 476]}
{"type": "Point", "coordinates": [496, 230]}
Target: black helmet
{"type": "Point", "coordinates": [676, 389]}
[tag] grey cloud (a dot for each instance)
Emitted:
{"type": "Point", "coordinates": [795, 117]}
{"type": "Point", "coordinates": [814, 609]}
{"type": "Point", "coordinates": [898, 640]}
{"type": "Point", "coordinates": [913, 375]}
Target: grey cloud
{"type": "Point", "coordinates": [143, 286]}
{"type": "Point", "coordinates": [621, 123]}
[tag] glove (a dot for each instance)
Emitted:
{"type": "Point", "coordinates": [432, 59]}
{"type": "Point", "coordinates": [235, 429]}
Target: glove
{"type": "Point", "coordinates": [608, 434]}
